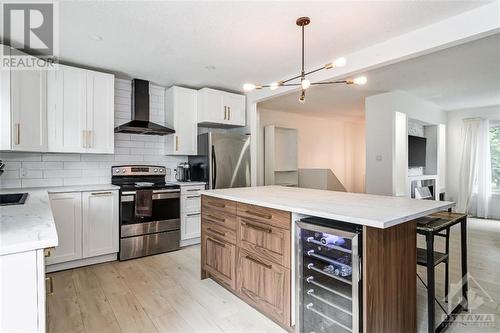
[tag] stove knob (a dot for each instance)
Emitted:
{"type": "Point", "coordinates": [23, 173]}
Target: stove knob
{"type": "Point", "coordinates": [117, 170]}
{"type": "Point", "coordinates": [123, 170]}
{"type": "Point", "coordinates": [156, 170]}
{"type": "Point", "coordinates": [161, 170]}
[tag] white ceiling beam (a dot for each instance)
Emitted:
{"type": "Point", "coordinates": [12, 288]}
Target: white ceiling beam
{"type": "Point", "coordinates": [471, 25]}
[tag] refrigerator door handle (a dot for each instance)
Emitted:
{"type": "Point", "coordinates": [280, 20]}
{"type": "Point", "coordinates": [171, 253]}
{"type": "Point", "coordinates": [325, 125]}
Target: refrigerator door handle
{"type": "Point", "coordinates": [214, 167]}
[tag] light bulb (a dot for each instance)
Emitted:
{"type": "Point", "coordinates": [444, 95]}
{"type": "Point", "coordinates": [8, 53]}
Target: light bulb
{"type": "Point", "coordinates": [249, 87]}
{"type": "Point", "coordinates": [360, 80]}
{"type": "Point", "coordinates": [302, 98]}
{"type": "Point", "coordinates": [340, 62]}
{"type": "Point", "coordinates": [274, 86]}
{"type": "Point", "coordinates": [305, 83]}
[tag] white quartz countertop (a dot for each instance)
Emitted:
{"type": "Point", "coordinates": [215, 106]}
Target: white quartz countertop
{"type": "Point", "coordinates": [82, 188]}
{"type": "Point", "coordinates": [192, 183]}
{"type": "Point", "coordinates": [364, 209]}
{"type": "Point", "coordinates": [29, 226]}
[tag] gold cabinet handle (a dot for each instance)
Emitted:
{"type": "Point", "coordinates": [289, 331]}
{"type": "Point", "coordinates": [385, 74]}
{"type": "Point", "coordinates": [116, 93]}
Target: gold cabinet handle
{"type": "Point", "coordinates": [228, 113]}
{"type": "Point", "coordinates": [102, 194]}
{"type": "Point", "coordinates": [84, 139]}
{"type": "Point", "coordinates": [257, 227]}
{"type": "Point", "coordinates": [176, 143]}
{"type": "Point", "coordinates": [89, 139]}
{"type": "Point", "coordinates": [262, 215]}
{"type": "Point", "coordinates": [50, 282]}
{"type": "Point", "coordinates": [48, 252]}
{"type": "Point", "coordinates": [18, 133]}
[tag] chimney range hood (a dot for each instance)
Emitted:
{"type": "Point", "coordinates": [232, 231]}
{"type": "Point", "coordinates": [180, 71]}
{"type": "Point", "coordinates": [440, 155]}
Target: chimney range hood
{"type": "Point", "coordinates": [140, 123]}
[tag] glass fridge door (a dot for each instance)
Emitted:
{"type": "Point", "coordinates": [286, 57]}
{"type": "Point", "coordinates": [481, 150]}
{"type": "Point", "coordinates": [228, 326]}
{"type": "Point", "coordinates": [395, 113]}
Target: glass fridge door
{"type": "Point", "coordinates": [328, 276]}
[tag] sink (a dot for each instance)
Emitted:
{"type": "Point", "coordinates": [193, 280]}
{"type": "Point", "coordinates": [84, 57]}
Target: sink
{"type": "Point", "coordinates": [13, 199]}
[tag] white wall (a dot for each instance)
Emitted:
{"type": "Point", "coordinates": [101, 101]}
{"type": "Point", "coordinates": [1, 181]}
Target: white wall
{"type": "Point", "coordinates": [333, 143]}
{"type": "Point", "coordinates": [381, 156]}
{"type": "Point", "coordinates": [71, 169]}
{"type": "Point", "coordinates": [454, 151]}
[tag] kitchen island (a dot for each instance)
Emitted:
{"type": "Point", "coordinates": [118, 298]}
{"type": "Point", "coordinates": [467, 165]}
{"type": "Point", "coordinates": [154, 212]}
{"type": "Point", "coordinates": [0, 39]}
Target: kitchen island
{"type": "Point", "coordinates": [249, 240]}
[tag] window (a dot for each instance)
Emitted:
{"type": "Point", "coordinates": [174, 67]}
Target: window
{"type": "Point", "coordinates": [495, 156]}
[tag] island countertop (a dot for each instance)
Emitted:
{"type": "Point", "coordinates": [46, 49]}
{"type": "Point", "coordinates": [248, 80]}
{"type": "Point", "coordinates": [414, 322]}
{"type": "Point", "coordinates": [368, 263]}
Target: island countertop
{"type": "Point", "coordinates": [365, 209]}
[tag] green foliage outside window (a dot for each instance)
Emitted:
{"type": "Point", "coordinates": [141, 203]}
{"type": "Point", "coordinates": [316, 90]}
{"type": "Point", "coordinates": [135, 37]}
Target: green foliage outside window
{"type": "Point", "coordinates": [495, 157]}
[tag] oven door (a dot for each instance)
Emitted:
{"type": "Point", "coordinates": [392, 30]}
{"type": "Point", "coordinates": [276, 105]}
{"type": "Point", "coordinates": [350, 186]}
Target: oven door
{"type": "Point", "coordinates": [165, 215]}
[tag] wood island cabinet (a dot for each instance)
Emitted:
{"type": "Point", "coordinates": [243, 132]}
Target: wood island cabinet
{"type": "Point", "coordinates": [247, 249]}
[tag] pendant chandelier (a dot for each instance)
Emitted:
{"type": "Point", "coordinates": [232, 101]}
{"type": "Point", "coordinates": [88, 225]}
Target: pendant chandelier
{"type": "Point", "coordinates": [304, 83]}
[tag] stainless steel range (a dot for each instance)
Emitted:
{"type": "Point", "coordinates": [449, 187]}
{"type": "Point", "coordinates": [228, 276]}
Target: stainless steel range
{"type": "Point", "coordinates": [149, 211]}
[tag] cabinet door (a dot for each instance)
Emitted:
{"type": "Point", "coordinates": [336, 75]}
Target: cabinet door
{"type": "Point", "coordinates": [235, 109]}
{"type": "Point", "coordinates": [29, 110]}
{"type": "Point", "coordinates": [219, 260]}
{"type": "Point", "coordinates": [67, 110]}
{"type": "Point", "coordinates": [100, 113]}
{"type": "Point", "coordinates": [182, 104]}
{"type": "Point", "coordinates": [190, 225]}
{"type": "Point", "coordinates": [67, 212]}
{"type": "Point", "coordinates": [100, 223]}
{"type": "Point", "coordinates": [264, 285]}
{"type": "Point", "coordinates": [211, 108]}
{"type": "Point", "coordinates": [5, 114]}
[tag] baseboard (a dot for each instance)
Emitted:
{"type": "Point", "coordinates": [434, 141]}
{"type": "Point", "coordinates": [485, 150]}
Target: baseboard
{"type": "Point", "coordinates": [81, 262]}
{"type": "Point", "coordinates": [191, 241]}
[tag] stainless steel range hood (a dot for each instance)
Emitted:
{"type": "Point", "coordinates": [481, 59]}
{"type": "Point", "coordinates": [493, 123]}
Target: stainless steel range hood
{"type": "Point", "coordinates": [140, 123]}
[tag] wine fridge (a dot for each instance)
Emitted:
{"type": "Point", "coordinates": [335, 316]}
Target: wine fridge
{"type": "Point", "coordinates": [328, 266]}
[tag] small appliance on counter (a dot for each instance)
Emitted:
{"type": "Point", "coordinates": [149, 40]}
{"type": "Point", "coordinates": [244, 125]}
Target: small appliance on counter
{"type": "Point", "coordinates": [183, 172]}
{"type": "Point", "coordinates": [149, 211]}
{"type": "Point", "coordinates": [328, 258]}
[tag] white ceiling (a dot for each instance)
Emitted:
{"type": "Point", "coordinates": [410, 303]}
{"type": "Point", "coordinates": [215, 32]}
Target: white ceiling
{"type": "Point", "coordinates": [459, 77]}
{"type": "Point", "coordinates": [180, 42]}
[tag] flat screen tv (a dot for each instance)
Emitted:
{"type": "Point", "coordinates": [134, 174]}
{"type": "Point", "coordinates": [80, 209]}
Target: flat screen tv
{"type": "Point", "coordinates": [416, 151]}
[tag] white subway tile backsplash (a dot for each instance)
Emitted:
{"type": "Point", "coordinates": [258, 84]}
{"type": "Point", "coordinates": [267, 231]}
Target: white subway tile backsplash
{"type": "Point", "coordinates": [61, 157]}
{"type": "Point", "coordinates": [62, 173]}
{"type": "Point", "coordinates": [41, 182]}
{"type": "Point", "coordinates": [17, 156]}
{"type": "Point", "coordinates": [54, 169]}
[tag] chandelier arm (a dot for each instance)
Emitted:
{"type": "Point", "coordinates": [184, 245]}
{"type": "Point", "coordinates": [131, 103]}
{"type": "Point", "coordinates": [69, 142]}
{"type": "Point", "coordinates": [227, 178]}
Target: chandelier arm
{"type": "Point", "coordinates": [305, 74]}
{"type": "Point", "coordinates": [330, 82]}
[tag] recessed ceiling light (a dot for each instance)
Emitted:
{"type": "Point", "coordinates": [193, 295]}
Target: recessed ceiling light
{"type": "Point", "coordinates": [210, 67]}
{"type": "Point", "coordinates": [96, 38]}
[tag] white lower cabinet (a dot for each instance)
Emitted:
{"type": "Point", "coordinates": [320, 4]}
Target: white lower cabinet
{"type": "Point", "coordinates": [86, 224]}
{"type": "Point", "coordinates": [22, 290]}
{"type": "Point", "coordinates": [100, 223]}
{"type": "Point", "coordinates": [190, 214]}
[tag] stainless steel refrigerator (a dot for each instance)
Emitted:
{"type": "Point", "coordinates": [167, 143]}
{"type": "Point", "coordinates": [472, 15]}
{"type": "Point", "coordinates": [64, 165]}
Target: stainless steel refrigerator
{"type": "Point", "coordinates": [223, 160]}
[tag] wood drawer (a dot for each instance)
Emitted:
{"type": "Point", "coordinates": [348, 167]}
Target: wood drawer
{"type": "Point", "coordinates": [220, 217]}
{"type": "Point", "coordinates": [275, 217]}
{"type": "Point", "coordinates": [219, 260]}
{"type": "Point", "coordinates": [218, 231]}
{"type": "Point", "coordinates": [264, 240]}
{"type": "Point", "coordinates": [264, 285]}
{"type": "Point", "coordinates": [227, 206]}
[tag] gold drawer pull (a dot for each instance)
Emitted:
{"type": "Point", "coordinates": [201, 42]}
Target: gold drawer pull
{"type": "Point", "coordinates": [217, 242]}
{"type": "Point", "coordinates": [48, 252]}
{"type": "Point", "coordinates": [18, 133]}
{"type": "Point", "coordinates": [215, 218]}
{"type": "Point", "coordinates": [264, 216]}
{"type": "Point", "coordinates": [101, 193]}
{"type": "Point", "coordinates": [50, 288]}
{"type": "Point", "coordinates": [216, 204]}
{"type": "Point", "coordinates": [257, 227]}
{"type": "Point", "coordinates": [259, 262]}
{"type": "Point", "coordinates": [217, 232]}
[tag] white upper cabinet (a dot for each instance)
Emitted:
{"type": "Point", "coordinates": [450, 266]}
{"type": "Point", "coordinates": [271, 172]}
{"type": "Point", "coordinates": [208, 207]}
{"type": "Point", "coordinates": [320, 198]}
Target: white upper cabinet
{"type": "Point", "coordinates": [181, 115]}
{"type": "Point", "coordinates": [100, 112]}
{"type": "Point", "coordinates": [220, 109]}
{"type": "Point", "coordinates": [80, 111]}
{"type": "Point", "coordinates": [24, 109]}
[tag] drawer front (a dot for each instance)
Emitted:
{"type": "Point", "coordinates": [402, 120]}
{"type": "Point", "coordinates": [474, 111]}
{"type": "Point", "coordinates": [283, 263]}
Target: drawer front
{"type": "Point", "coordinates": [218, 231]}
{"type": "Point", "coordinates": [264, 240]}
{"type": "Point", "coordinates": [192, 189]}
{"type": "Point", "coordinates": [219, 204]}
{"type": "Point", "coordinates": [219, 217]}
{"type": "Point", "coordinates": [191, 203]}
{"type": "Point", "coordinates": [264, 285]}
{"type": "Point", "coordinates": [275, 217]}
{"type": "Point", "coordinates": [219, 260]}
